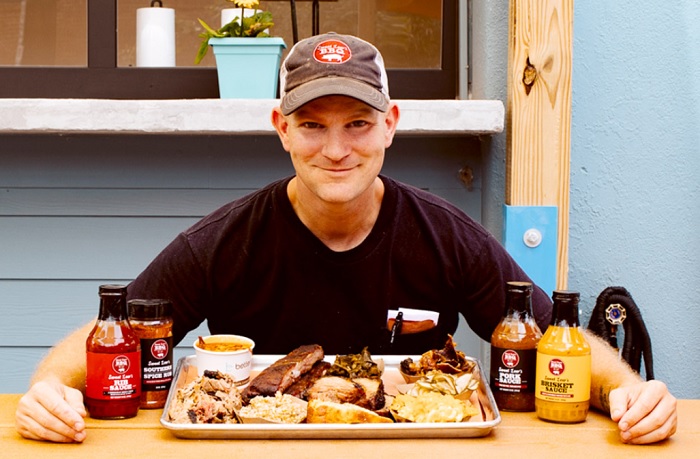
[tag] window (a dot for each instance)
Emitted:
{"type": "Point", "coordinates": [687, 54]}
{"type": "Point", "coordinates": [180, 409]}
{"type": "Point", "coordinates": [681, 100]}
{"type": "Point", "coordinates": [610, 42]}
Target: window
{"type": "Point", "coordinates": [86, 48]}
{"type": "Point", "coordinates": [43, 33]}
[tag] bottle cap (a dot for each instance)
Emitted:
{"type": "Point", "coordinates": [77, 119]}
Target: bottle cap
{"type": "Point", "coordinates": [565, 295]}
{"type": "Point", "coordinates": [150, 309]}
{"type": "Point", "coordinates": [514, 286]}
{"type": "Point", "coordinates": [112, 289]}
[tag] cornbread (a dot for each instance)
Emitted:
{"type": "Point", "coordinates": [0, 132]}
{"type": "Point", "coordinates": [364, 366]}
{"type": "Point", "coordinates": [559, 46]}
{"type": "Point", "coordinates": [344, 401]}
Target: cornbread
{"type": "Point", "coordinates": [326, 412]}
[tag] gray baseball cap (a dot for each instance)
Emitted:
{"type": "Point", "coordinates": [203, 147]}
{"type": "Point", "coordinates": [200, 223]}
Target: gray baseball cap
{"type": "Point", "coordinates": [333, 64]}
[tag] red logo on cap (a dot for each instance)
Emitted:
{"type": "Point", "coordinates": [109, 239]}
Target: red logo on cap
{"type": "Point", "coordinates": [332, 52]}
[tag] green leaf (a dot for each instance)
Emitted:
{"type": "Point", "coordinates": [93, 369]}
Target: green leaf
{"type": "Point", "coordinates": [203, 48]}
{"type": "Point", "coordinates": [265, 16]}
{"type": "Point", "coordinates": [211, 31]}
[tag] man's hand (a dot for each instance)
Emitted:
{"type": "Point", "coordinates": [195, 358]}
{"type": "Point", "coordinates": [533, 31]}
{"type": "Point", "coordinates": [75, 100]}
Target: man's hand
{"type": "Point", "coordinates": [51, 411]}
{"type": "Point", "coordinates": [645, 412]}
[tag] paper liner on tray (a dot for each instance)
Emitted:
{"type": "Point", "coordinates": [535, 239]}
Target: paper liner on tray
{"type": "Point", "coordinates": [460, 386]}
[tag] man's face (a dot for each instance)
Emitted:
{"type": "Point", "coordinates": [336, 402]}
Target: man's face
{"type": "Point", "coordinates": [337, 146]}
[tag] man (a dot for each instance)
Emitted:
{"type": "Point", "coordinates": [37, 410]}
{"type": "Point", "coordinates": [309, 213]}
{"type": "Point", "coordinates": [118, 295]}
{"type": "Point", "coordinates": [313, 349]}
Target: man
{"type": "Point", "coordinates": [325, 256]}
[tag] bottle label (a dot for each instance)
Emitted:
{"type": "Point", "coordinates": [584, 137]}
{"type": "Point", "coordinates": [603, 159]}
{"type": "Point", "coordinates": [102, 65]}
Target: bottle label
{"type": "Point", "coordinates": [563, 378]}
{"type": "Point", "coordinates": [113, 376]}
{"type": "Point", "coordinates": [513, 370]}
{"type": "Point", "coordinates": [157, 363]}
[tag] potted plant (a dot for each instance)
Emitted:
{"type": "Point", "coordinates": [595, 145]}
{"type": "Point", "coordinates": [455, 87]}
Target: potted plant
{"type": "Point", "coordinates": [247, 57]}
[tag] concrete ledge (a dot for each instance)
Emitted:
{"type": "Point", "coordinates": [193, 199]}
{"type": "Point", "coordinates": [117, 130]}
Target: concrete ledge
{"type": "Point", "coordinates": [225, 116]}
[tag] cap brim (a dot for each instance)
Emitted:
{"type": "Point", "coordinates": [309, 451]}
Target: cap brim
{"type": "Point", "coordinates": [333, 86]}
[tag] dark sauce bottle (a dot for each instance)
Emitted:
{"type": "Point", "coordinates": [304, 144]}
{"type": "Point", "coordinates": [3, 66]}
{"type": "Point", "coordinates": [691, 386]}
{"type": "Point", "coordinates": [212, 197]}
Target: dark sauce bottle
{"type": "Point", "coordinates": [514, 351]}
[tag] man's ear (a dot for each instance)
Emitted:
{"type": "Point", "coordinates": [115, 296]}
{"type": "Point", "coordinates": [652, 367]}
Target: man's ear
{"type": "Point", "coordinates": [279, 121]}
{"type": "Point", "coordinates": [391, 120]}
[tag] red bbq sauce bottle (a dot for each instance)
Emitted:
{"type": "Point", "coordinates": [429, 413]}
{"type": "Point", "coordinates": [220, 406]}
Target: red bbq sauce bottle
{"type": "Point", "coordinates": [113, 378]}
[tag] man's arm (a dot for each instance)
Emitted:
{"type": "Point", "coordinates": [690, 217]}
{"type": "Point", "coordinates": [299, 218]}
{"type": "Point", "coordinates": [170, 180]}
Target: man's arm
{"type": "Point", "coordinates": [608, 371]}
{"type": "Point", "coordinates": [53, 407]}
{"type": "Point", "coordinates": [645, 411]}
{"type": "Point", "coordinates": [66, 360]}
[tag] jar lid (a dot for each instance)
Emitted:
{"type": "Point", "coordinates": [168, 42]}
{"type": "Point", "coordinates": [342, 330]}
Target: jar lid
{"type": "Point", "coordinates": [150, 309]}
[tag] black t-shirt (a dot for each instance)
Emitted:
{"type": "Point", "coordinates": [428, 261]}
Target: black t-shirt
{"type": "Point", "coordinates": [253, 268]}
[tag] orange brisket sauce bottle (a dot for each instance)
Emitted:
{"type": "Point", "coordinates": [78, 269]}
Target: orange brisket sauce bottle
{"type": "Point", "coordinates": [563, 364]}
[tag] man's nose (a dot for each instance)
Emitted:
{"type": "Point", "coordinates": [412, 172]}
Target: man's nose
{"type": "Point", "coordinates": [336, 146]}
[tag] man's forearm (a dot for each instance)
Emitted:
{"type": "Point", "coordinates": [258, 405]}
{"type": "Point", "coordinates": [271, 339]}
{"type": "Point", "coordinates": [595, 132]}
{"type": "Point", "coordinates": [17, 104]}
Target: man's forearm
{"type": "Point", "coordinates": [608, 371]}
{"type": "Point", "coordinates": [66, 360]}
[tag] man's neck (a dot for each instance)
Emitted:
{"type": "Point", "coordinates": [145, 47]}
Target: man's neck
{"type": "Point", "coordinates": [340, 226]}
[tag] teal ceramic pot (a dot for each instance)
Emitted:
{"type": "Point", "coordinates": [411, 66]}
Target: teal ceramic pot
{"type": "Point", "coordinates": [248, 68]}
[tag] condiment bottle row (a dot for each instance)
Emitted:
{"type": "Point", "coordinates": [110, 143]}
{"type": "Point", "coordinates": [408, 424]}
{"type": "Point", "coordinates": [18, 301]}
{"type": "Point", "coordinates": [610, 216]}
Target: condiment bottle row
{"type": "Point", "coordinates": [129, 355]}
{"type": "Point", "coordinates": [548, 373]}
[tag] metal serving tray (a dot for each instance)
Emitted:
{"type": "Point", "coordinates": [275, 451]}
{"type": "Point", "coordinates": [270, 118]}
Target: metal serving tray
{"type": "Point", "coordinates": [477, 426]}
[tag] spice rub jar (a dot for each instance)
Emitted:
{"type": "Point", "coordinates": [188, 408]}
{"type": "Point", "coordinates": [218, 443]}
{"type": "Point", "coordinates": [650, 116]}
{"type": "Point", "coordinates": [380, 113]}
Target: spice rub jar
{"type": "Point", "coordinates": [152, 321]}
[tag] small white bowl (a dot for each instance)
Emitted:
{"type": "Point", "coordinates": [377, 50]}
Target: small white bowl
{"type": "Point", "coordinates": [237, 363]}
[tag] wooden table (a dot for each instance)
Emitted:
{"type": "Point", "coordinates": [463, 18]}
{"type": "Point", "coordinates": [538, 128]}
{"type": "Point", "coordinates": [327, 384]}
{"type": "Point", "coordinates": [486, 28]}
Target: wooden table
{"type": "Point", "coordinates": [520, 435]}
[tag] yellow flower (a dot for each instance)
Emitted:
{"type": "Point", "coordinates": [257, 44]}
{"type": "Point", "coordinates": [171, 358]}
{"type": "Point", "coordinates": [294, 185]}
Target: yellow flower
{"type": "Point", "coordinates": [245, 3]}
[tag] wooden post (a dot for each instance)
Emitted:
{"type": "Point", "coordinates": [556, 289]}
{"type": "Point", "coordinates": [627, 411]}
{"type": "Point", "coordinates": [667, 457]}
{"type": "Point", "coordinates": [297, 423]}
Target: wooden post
{"type": "Point", "coordinates": [538, 112]}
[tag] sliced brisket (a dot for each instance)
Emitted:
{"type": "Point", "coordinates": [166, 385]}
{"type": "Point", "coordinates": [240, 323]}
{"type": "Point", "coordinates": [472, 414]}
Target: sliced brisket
{"type": "Point", "coordinates": [284, 372]}
{"type": "Point", "coordinates": [301, 387]}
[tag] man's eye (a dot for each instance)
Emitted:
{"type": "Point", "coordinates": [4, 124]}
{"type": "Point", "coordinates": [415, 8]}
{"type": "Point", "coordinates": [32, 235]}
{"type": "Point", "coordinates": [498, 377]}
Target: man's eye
{"type": "Point", "coordinates": [310, 125]}
{"type": "Point", "coordinates": [359, 123]}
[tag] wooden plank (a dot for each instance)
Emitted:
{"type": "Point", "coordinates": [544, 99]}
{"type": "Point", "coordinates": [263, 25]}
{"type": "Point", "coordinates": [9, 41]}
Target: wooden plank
{"type": "Point", "coordinates": [67, 202]}
{"type": "Point", "coordinates": [141, 161]}
{"type": "Point", "coordinates": [63, 305]}
{"type": "Point", "coordinates": [18, 365]}
{"type": "Point", "coordinates": [83, 247]}
{"type": "Point", "coordinates": [538, 114]}
{"type": "Point", "coordinates": [114, 201]}
{"type": "Point", "coordinates": [198, 162]}
{"type": "Point", "coordinates": [20, 362]}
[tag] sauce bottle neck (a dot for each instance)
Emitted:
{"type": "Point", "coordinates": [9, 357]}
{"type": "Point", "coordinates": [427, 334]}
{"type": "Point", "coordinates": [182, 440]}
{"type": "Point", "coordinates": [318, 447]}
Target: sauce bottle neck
{"type": "Point", "coordinates": [519, 300]}
{"type": "Point", "coordinates": [565, 309]}
{"type": "Point", "coordinates": [112, 309]}
{"type": "Point", "coordinates": [112, 303]}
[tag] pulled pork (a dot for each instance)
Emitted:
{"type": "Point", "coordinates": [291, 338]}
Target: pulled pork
{"type": "Point", "coordinates": [212, 398]}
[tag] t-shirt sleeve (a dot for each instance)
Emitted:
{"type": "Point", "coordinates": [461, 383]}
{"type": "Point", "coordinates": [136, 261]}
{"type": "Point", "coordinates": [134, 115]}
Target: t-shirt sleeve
{"type": "Point", "coordinates": [176, 275]}
{"type": "Point", "coordinates": [489, 272]}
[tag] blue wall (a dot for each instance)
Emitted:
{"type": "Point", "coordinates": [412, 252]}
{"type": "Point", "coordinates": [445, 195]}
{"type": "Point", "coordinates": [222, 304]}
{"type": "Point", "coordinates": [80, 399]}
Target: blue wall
{"type": "Point", "coordinates": [635, 170]}
{"type": "Point", "coordinates": [635, 162]}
